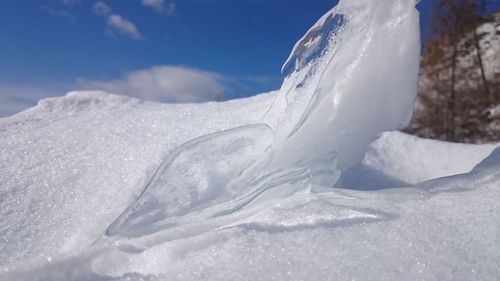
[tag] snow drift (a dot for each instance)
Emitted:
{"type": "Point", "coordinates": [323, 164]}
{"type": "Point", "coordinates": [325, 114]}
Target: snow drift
{"type": "Point", "coordinates": [389, 162]}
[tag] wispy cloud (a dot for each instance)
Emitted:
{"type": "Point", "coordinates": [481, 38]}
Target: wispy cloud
{"type": "Point", "coordinates": [124, 26]}
{"type": "Point", "coordinates": [160, 6]}
{"type": "Point", "coordinates": [61, 9]}
{"type": "Point", "coordinates": [70, 3]}
{"type": "Point", "coordinates": [155, 4]}
{"type": "Point", "coordinates": [174, 84]}
{"type": "Point", "coordinates": [116, 23]}
{"type": "Point", "coordinates": [101, 9]}
{"type": "Point", "coordinates": [59, 13]}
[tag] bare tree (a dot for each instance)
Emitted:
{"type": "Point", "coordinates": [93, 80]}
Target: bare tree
{"type": "Point", "coordinates": [455, 95]}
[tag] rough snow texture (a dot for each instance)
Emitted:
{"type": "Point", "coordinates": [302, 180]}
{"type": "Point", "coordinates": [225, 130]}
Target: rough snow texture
{"type": "Point", "coordinates": [390, 163]}
{"type": "Point", "coordinates": [445, 229]}
{"type": "Point", "coordinates": [69, 164]}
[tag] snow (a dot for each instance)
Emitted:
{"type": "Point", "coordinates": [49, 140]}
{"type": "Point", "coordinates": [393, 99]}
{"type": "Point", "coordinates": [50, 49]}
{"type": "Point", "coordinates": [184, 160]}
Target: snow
{"type": "Point", "coordinates": [490, 42]}
{"type": "Point", "coordinates": [96, 186]}
{"type": "Point", "coordinates": [445, 229]}
{"type": "Point", "coordinates": [62, 158]}
{"type": "Point", "coordinates": [389, 162]}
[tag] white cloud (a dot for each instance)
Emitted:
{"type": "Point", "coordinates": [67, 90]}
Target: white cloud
{"type": "Point", "coordinates": [160, 6]}
{"type": "Point", "coordinates": [172, 84]}
{"type": "Point", "coordinates": [101, 9]}
{"type": "Point", "coordinates": [155, 4]}
{"type": "Point", "coordinates": [70, 3]}
{"type": "Point", "coordinates": [115, 22]}
{"type": "Point", "coordinates": [124, 26]}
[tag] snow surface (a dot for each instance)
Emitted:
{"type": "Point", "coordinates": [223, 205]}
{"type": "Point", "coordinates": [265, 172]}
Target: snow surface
{"type": "Point", "coordinates": [70, 164]}
{"type": "Point", "coordinates": [444, 229]}
{"type": "Point", "coordinates": [95, 186]}
{"type": "Point", "coordinates": [389, 161]}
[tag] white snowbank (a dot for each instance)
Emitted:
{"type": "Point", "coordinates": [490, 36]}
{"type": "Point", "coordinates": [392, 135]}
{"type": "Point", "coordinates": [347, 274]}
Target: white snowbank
{"type": "Point", "coordinates": [397, 159]}
{"type": "Point", "coordinates": [444, 229]}
{"type": "Point", "coordinates": [71, 165]}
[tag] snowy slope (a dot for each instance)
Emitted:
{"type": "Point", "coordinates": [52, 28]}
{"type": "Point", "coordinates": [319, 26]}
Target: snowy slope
{"type": "Point", "coordinates": [397, 159]}
{"type": "Point", "coordinates": [62, 158]}
{"type": "Point", "coordinates": [446, 229]}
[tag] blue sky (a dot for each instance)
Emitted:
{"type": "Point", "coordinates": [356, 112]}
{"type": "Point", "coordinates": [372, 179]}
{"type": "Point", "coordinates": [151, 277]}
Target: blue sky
{"type": "Point", "coordinates": [228, 47]}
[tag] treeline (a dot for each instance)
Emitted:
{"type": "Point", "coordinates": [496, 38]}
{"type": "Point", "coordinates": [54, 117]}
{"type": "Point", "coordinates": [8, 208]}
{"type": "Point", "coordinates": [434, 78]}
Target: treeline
{"type": "Point", "coordinates": [459, 84]}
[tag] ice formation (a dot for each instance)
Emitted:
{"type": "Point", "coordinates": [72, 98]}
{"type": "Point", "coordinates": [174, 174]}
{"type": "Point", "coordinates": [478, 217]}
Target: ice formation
{"type": "Point", "coordinates": [351, 76]}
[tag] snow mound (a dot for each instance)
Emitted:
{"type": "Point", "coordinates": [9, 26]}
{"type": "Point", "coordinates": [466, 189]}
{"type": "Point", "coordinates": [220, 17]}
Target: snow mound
{"type": "Point", "coordinates": [71, 165]}
{"type": "Point", "coordinates": [389, 163]}
{"type": "Point", "coordinates": [444, 229]}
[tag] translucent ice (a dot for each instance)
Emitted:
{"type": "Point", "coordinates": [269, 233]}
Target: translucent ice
{"type": "Point", "coordinates": [195, 176]}
{"type": "Point", "coordinates": [351, 76]}
{"type": "Point", "coordinates": [216, 175]}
